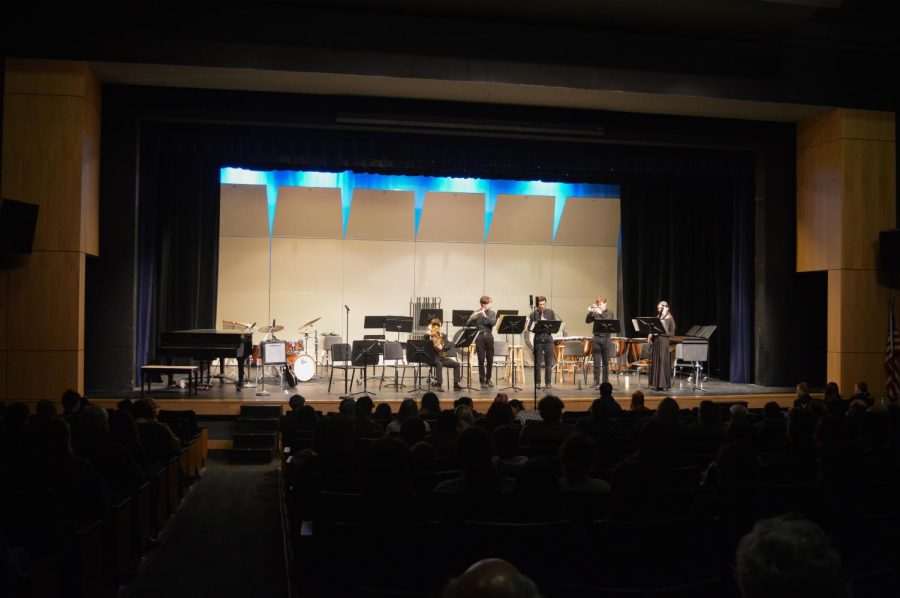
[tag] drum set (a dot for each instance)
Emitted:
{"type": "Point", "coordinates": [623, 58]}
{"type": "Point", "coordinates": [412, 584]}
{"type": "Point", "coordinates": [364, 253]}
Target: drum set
{"type": "Point", "coordinates": [297, 365]}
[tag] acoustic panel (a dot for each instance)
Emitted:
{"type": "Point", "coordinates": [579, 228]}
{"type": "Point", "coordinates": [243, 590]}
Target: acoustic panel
{"type": "Point", "coordinates": [452, 217]}
{"type": "Point", "coordinates": [378, 267]}
{"type": "Point", "coordinates": [307, 212]}
{"type": "Point", "coordinates": [243, 291]}
{"type": "Point", "coordinates": [589, 221]}
{"type": "Point", "coordinates": [443, 268]}
{"type": "Point", "coordinates": [382, 215]}
{"type": "Point", "coordinates": [244, 211]}
{"type": "Point", "coordinates": [307, 265]}
{"type": "Point", "coordinates": [518, 269]}
{"type": "Point", "coordinates": [57, 371]}
{"type": "Point", "coordinates": [522, 219]}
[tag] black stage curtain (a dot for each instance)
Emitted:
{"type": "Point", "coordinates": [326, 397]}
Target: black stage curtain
{"type": "Point", "coordinates": [679, 244]}
{"type": "Point", "coordinates": [178, 251]}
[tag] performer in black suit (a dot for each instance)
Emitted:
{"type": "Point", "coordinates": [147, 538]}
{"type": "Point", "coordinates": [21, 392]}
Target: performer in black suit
{"type": "Point", "coordinates": [600, 342]}
{"type": "Point", "coordinates": [660, 371]}
{"type": "Point", "coordinates": [484, 319]}
{"type": "Point", "coordinates": [543, 344]}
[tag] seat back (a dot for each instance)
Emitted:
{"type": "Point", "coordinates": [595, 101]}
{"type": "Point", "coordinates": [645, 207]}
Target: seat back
{"type": "Point", "coordinates": [501, 349]}
{"type": "Point", "coordinates": [330, 341]}
{"type": "Point", "coordinates": [573, 349]}
{"type": "Point", "coordinates": [340, 352]}
{"type": "Point", "coordinates": [393, 351]}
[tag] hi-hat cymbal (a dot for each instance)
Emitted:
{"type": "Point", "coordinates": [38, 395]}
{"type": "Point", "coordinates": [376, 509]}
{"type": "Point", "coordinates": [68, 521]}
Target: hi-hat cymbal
{"type": "Point", "coordinates": [277, 328]}
{"type": "Point", "coordinates": [310, 323]}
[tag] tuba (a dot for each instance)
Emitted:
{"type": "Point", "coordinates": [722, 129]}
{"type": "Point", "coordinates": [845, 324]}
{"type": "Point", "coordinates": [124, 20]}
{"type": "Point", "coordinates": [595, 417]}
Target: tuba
{"type": "Point", "coordinates": [436, 339]}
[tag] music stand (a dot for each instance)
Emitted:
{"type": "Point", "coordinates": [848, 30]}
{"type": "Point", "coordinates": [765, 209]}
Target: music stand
{"type": "Point", "coordinates": [460, 317]}
{"type": "Point", "coordinates": [650, 325]}
{"type": "Point", "coordinates": [427, 315]}
{"type": "Point", "coordinates": [364, 354]}
{"type": "Point", "coordinates": [272, 353]}
{"type": "Point", "coordinates": [398, 324]}
{"type": "Point", "coordinates": [420, 351]}
{"type": "Point", "coordinates": [550, 327]}
{"type": "Point", "coordinates": [511, 324]}
{"type": "Point", "coordinates": [606, 327]}
{"type": "Point", "coordinates": [465, 340]}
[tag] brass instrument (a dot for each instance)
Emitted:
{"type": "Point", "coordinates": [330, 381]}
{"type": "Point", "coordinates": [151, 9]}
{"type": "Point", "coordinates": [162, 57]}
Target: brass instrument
{"type": "Point", "coordinates": [436, 339]}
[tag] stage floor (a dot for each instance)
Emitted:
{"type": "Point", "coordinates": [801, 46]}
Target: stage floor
{"type": "Point", "coordinates": [222, 397]}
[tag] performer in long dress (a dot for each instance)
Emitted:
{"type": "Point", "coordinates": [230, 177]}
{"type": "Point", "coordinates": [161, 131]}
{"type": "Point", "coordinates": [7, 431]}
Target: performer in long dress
{"type": "Point", "coordinates": [600, 342]}
{"type": "Point", "coordinates": [543, 344]}
{"type": "Point", "coordinates": [660, 372]}
{"type": "Point", "coordinates": [484, 319]}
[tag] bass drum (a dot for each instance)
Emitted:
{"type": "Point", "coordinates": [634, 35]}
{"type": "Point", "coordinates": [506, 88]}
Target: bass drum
{"type": "Point", "coordinates": [529, 335]}
{"type": "Point", "coordinates": [304, 368]}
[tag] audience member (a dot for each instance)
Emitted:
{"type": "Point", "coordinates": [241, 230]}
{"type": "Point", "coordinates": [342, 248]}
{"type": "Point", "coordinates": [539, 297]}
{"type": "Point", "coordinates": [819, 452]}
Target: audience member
{"type": "Point", "coordinates": [836, 405]}
{"type": "Point", "coordinates": [637, 402]}
{"type": "Point", "coordinates": [479, 482]}
{"type": "Point", "coordinates": [606, 397]}
{"type": "Point", "coordinates": [861, 393]}
{"type": "Point", "coordinates": [383, 414]}
{"type": "Point", "coordinates": [408, 408]}
{"type": "Point", "coordinates": [536, 495]}
{"type": "Point", "coordinates": [491, 578]}
{"type": "Point", "coordinates": [413, 430]}
{"type": "Point", "coordinates": [113, 461]}
{"type": "Point", "coordinates": [363, 424]}
{"type": "Point", "coordinates": [347, 408]}
{"type": "Point", "coordinates": [498, 414]}
{"type": "Point", "coordinates": [634, 477]}
{"type": "Point", "coordinates": [431, 406]}
{"type": "Point", "coordinates": [522, 415]}
{"type": "Point", "coordinates": [507, 460]}
{"type": "Point", "coordinates": [158, 440]}
{"type": "Point", "coordinates": [598, 424]}
{"type": "Point", "coordinates": [550, 431]}
{"type": "Point", "coordinates": [578, 455]}
{"type": "Point", "coordinates": [464, 417]}
{"type": "Point", "coordinates": [424, 457]}
{"type": "Point", "coordinates": [124, 431]}
{"type": "Point", "coordinates": [773, 427]}
{"type": "Point", "coordinates": [71, 402]}
{"type": "Point", "coordinates": [444, 436]}
{"type": "Point", "coordinates": [803, 399]}
{"type": "Point", "coordinates": [789, 557]}
{"type": "Point", "coordinates": [709, 422]}
{"type": "Point", "coordinates": [669, 415]}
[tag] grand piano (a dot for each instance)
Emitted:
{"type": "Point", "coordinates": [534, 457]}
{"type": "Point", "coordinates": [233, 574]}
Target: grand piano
{"type": "Point", "coordinates": [204, 345]}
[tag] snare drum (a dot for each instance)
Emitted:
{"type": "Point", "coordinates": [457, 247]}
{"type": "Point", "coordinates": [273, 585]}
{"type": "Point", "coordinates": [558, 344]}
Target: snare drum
{"type": "Point", "coordinates": [292, 349]}
{"type": "Point", "coordinates": [254, 355]}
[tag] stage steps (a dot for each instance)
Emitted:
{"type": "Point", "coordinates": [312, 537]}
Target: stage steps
{"type": "Point", "coordinates": [255, 434]}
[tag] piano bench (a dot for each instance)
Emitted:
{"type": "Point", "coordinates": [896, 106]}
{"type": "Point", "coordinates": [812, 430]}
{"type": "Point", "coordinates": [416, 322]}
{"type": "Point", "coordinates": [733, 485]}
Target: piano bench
{"type": "Point", "coordinates": [192, 371]}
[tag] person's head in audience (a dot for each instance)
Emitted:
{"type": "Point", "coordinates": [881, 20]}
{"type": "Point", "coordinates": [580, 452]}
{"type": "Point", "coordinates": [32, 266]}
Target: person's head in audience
{"type": "Point", "coordinates": [296, 402]}
{"type": "Point", "coordinates": [501, 397]}
{"type": "Point", "coordinates": [431, 406]}
{"type": "Point", "coordinates": [423, 456]}
{"type": "Point", "coordinates": [364, 406]}
{"type": "Point", "coordinates": [708, 414]}
{"type": "Point", "coordinates": [71, 402]}
{"type": "Point", "coordinates": [43, 410]}
{"type": "Point", "coordinates": [606, 390]}
{"type": "Point", "coordinates": [464, 417]}
{"type": "Point", "coordinates": [861, 389]}
{"type": "Point", "coordinates": [577, 456]}
{"type": "Point", "coordinates": [412, 430]}
{"type": "Point", "coordinates": [144, 409]}
{"type": "Point", "coordinates": [738, 430]}
{"type": "Point", "coordinates": [599, 410]}
{"type": "Point", "coordinates": [506, 442]}
{"type": "Point", "coordinates": [347, 408]}
{"type": "Point", "coordinates": [857, 408]}
{"type": "Point", "coordinates": [668, 411]}
{"type": "Point", "coordinates": [465, 401]}
{"type": "Point", "coordinates": [125, 405]}
{"type": "Point", "coordinates": [491, 578]}
{"type": "Point", "coordinates": [789, 557]}
{"type": "Point", "coordinates": [637, 401]}
{"type": "Point", "coordinates": [383, 412]}
{"type": "Point", "coordinates": [473, 448]}
{"type": "Point", "coordinates": [83, 403]}
{"type": "Point", "coordinates": [408, 408]}
{"type": "Point", "coordinates": [832, 392]}
{"type": "Point", "coordinates": [516, 405]}
{"type": "Point", "coordinates": [124, 431]}
{"type": "Point", "coordinates": [446, 423]}
{"type": "Point", "coordinates": [94, 422]}
{"type": "Point", "coordinates": [551, 408]}
{"type": "Point", "coordinates": [802, 389]}
{"type": "Point", "coordinates": [499, 414]}
{"type": "Point", "coordinates": [738, 411]}
{"type": "Point", "coordinates": [801, 427]}
{"type": "Point", "coordinates": [772, 410]}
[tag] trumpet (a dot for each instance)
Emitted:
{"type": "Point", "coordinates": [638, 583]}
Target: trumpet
{"type": "Point", "coordinates": [593, 307]}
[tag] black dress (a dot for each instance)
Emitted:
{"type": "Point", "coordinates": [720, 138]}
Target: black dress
{"type": "Point", "coordinates": [660, 368]}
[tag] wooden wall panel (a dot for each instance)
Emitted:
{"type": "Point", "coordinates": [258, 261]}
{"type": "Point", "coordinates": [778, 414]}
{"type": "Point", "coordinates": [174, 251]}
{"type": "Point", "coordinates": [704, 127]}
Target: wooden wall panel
{"type": "Point", "coordinates": [90, 167]}
{"type": "Point", "coordinates": [47, 77]}
{"type": "Point", "coordinates": [42, 164]}
{"type": "Point", "coordinates": [46, 305]}
{"type": "Point", "coordinates": [4, 308]}
{"type": "Point", "coordinates": [866, 124]}
{"type": "Point", "coordinates": [819, 184]}
{"type": "Point", "coordinates": [869, 206]}
{"type": "Point", "coordinates": [817, 130]}
{"type": "Point", "coordinates": [4, 368]}
{"type": "Point", "coordinates": [860, 311]}
{"type": "Point", "coordinates": [35, 375]}
{"type": "Point", "coordinates": [846, 369]}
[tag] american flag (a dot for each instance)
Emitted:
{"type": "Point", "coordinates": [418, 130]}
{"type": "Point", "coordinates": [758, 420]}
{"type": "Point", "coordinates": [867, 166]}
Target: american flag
{"type": "Point", "coordinates": [892, 357]}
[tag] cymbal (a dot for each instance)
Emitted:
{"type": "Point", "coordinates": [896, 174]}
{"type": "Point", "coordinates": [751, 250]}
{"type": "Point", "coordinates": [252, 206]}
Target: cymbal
{"type": "Point", "coordinates": [277, 328]}
{"type": "Point", "coordinates": [310, 323]}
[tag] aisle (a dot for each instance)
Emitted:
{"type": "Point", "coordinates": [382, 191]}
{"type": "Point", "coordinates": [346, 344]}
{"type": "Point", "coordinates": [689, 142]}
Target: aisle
{"type": "Point", "coordinates": [226, 539]}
